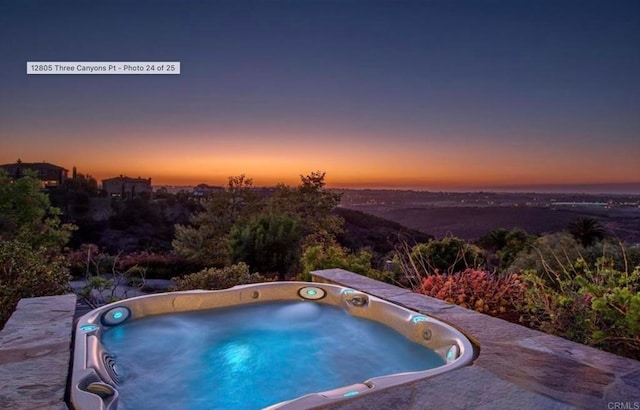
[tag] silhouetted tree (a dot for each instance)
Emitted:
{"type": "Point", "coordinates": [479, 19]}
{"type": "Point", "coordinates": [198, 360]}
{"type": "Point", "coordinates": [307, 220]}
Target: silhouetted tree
{"type": "Point", "coordinates": [503, 246]}
{"type": "Point", "coordinates": [587, 230]}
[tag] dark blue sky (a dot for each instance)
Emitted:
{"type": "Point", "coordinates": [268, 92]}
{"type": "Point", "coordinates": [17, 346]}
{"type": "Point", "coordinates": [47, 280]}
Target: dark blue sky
{"type": "Point", "coordinates": [377, 93]}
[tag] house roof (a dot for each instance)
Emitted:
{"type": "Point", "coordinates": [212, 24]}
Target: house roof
{"type": "Point", "coordinates": [122, 178]}
{"type": "Point", "coordinates": [33, 165]}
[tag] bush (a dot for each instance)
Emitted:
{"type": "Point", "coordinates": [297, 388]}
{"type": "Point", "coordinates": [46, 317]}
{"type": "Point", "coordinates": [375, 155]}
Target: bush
{"type": "Point", "coordinates": [218, 278]}
{"type": "Point", "coordinates": [156, 265]}
{"type": "Point", "coordinates": [552, 256]}
{"type": "Point", "coordinates": [331, 255]}
{"type": "Point", "coordinates": [27, 273]}
{"type": "Point", "coordinates": [599, 307]}
{"type": "Point", "coordinates": [410, 264]}
{"type": "Point", "coordinates": [624, 257]}
{"type": "Point", "coordinates": [502, 246]}
{"type": "Point", "coordinates": [501, 296]}
{"type": "Point", "coordinates": [89, 260]}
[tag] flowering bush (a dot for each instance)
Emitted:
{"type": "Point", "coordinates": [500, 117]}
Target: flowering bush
{"type": "Point", "coordinates": [497, 295]}
{"type": "Point", "coordinates": [157, 265]}
{"type": "Point", "coordinates": [88, 260]}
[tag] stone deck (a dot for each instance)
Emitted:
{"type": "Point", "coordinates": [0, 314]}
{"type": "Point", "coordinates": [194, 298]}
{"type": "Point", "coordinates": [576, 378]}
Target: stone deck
{"type": "Point", "coordinates": [517, 368]}
{"type": "Point", "coordinates": [35, 348]}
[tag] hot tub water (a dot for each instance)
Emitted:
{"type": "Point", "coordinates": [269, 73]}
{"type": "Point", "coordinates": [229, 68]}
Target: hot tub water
{"type": "Point", "coordinates": [252, 356]}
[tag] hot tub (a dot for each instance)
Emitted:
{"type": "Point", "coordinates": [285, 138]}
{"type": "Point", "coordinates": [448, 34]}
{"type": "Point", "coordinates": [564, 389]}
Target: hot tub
{"type": "Point", "coordinates": [284, 345]}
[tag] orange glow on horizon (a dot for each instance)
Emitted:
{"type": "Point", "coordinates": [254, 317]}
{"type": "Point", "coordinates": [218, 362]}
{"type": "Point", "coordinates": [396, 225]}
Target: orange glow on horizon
{"type": "Point", "coordinates": [350, 160]}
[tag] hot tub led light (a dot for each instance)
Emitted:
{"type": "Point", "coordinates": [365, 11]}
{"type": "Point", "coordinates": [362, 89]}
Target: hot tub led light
{"type": "Point", "coordinates": [452, 354]}
{"type": "Point", "coordinates": [88, 328]}
{"type": "Point", "coordinates": [350, 393]}
{"type": "Point", "coordinates": [115, 316]}
{"type": "Point", "coordinates": [418, 319]}
{"type": "Point", "coordinates": [311, 292]}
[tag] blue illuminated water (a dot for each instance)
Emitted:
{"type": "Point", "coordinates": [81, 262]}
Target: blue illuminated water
{"type": "Point", "coordinates": [252, 356]}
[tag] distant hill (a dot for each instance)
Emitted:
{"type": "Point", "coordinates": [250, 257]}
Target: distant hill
{"type": "Point", "coordinates": [373, 232]}
{"type": "Point", "coordinates": [470, 223]}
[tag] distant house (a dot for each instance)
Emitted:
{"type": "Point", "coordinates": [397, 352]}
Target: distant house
{"type": "Point", "coordinates": [126, 187]}
{"type": "Point", "coordinates": [51, 175]}
{"type": "Point", "coordinates": [204, 190]}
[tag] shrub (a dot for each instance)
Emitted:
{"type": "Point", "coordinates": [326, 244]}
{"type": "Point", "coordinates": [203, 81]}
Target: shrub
{"type": "Point", "coordinates": [218, 278]}
{"type": "Point", "coordinates": [331, 255]}
{"type": "Point", "coordinates": [552, 256]}
{"type": "Point", "coordinates": [501, 296]}
{"type": "Point", "coordinates": [599, 307]}
{"type": "Point", "coordinates": [157, 265]}
{"type": "Point", "coordinates": [410, 264]}
{"type": "Point", "coordinates": [445, 255]}
{"type": "Point", "coordinates": [26, 272]}
{"type": "Point", "coordinates": [89, 260]}
{"type": "Point", "coordinates": [624, 257]}
{"type": "Point", "coordinates": [502, 246]}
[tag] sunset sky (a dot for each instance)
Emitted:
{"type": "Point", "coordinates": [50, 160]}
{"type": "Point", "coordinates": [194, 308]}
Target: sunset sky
{"type": "Point", "coordinates": [407, 94]}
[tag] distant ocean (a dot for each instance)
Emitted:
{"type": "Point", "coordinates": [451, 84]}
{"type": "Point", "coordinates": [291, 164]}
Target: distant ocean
{"type": "Point", "coordinates": [628, 188]}
{"type": "Point", "coordinates": [620, 189]}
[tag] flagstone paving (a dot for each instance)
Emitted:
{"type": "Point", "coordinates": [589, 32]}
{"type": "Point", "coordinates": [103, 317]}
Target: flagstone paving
{"type": "Point", "coordinates": [516, 367]}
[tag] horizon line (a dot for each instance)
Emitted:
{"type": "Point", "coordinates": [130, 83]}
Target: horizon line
{"type": "Point", "coordinates": [632, 188]}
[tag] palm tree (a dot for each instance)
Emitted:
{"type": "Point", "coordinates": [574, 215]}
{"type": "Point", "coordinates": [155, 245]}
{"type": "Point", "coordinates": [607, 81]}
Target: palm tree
{"type": "Point", "coordinates": [587, 230]}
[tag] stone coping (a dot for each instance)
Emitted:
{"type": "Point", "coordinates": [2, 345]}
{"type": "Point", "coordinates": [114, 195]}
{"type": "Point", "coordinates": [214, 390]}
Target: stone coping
{"type": "Point", "coordinates": [517, 367]}
{"type": "Point", "coordinates": [35, 350]}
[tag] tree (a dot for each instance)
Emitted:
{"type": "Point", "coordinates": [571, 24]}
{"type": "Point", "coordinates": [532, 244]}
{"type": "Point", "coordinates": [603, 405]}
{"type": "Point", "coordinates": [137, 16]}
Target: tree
{"type": "Point", "coordinates": [31, 242]}
{"type": "Point", "coordinates": [82, 183]}
{"type": "Point", "coordinates": [205, 240]}
{"type": "Point", "coordinates": [268, 243]}
{"type": "Point", "coordinates": [587, 230]}
{"type": "Point", "coordinates": [265, 231]}
{"type": "Point", "coordinates": [312, 204]}
{"type": "Point", "coordinates": [503, 245]}
{"type": "Point", "coordinates": [26, 215]}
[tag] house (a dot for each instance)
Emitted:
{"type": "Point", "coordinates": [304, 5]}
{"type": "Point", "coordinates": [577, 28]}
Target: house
{"type": "Point", "coordinates": [126, 187]}
{"type": "Point", "coordinates": [204, 190]}
{"type": "Point", "coordinates": [51, 175]}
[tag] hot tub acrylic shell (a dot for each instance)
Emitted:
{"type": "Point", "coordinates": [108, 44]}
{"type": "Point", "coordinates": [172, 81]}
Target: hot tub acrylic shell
{"type": "Point", "coordinates": [95, 379]}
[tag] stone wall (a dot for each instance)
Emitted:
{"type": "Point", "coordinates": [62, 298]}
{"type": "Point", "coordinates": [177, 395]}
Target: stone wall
{"type": "Point", "coordinates": [35, 347]}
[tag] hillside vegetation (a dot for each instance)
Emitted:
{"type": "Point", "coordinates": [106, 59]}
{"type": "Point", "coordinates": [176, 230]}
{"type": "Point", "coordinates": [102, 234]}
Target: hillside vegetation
{"type": "Point", "coordinates": [579, 281]}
